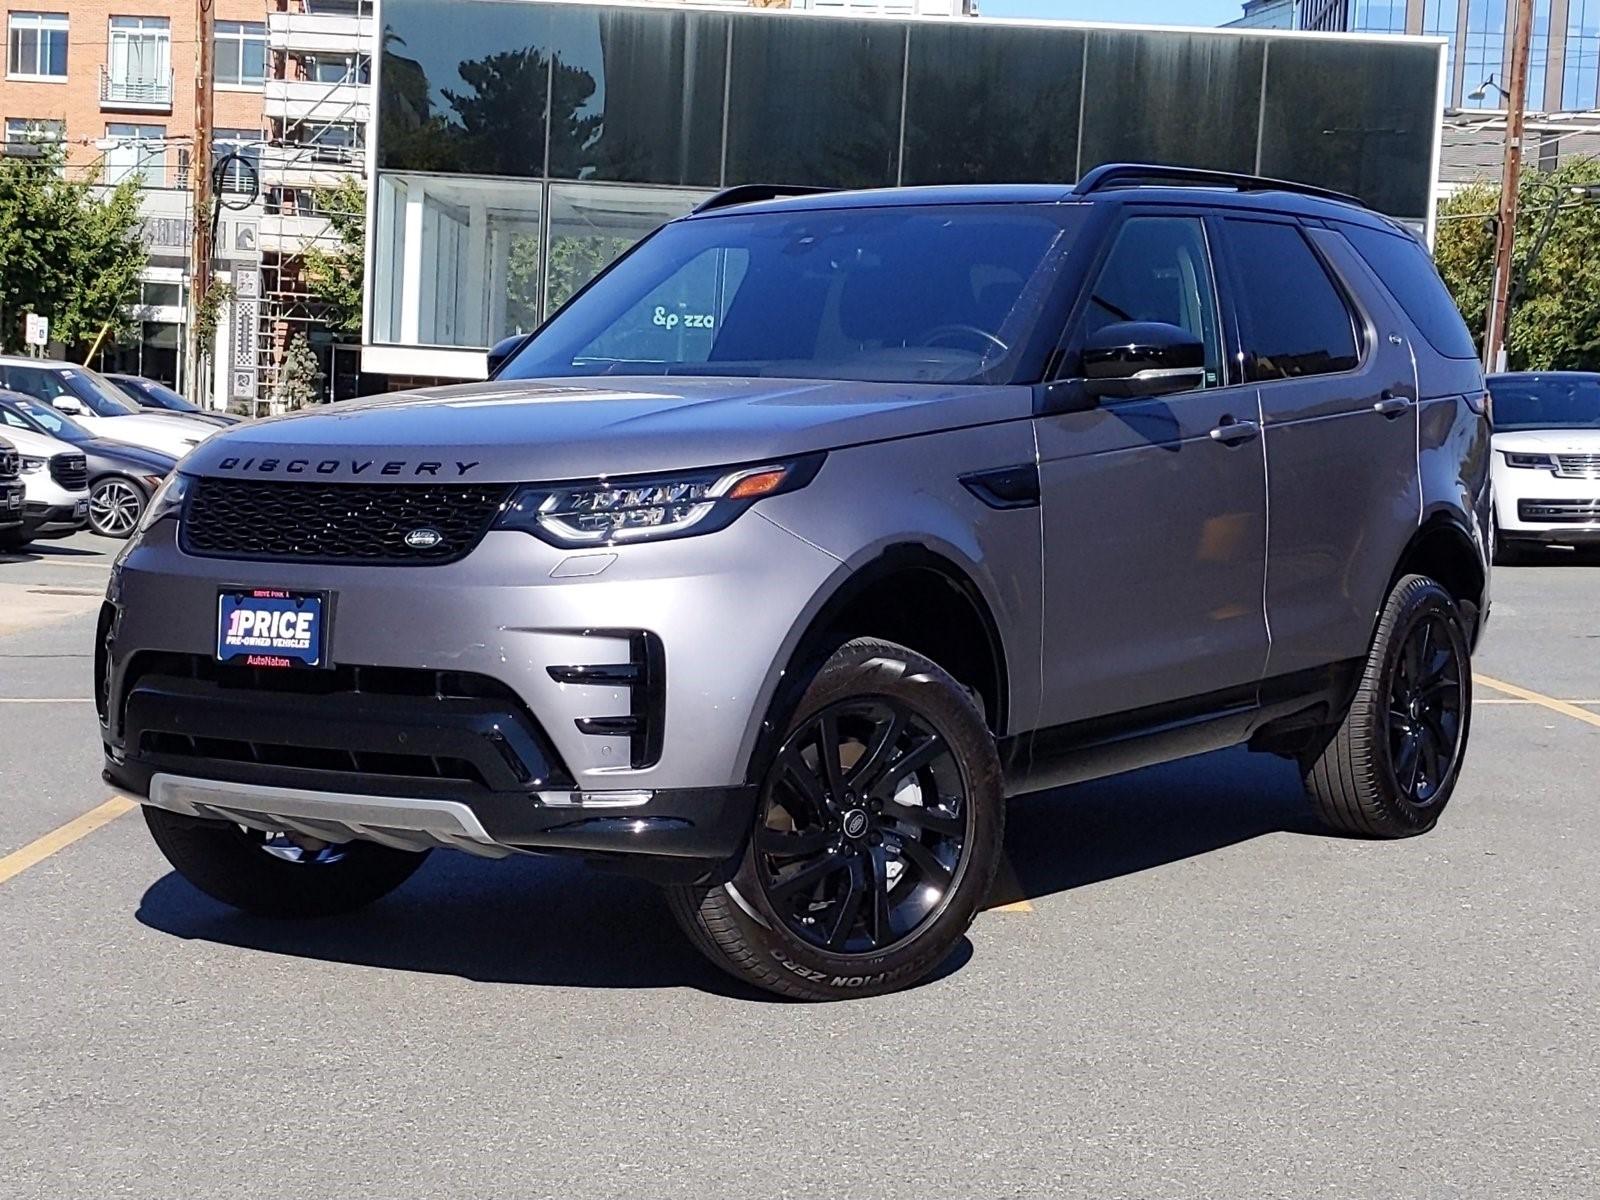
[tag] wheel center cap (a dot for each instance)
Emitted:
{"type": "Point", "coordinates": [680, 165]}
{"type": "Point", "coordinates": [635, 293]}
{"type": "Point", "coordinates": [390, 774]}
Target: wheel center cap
{"type": "Point", "coordinates": [855, 822]}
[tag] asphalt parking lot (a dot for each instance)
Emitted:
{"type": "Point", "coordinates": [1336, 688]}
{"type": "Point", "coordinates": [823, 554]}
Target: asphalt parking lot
{"type": "Point", "coordinates": [1183, 991]}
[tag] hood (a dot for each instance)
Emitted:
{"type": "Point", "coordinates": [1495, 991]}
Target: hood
{"type": "Point", "coordinates": [166, 424]}
{"type": "Point", "coordinates": [126, 456]}
{"type": "Point", "coordinates": [37, 445]}
{"type": "Point", "coordinates": [1549, 441]}
{"type": "Point", "coordinates": [538, 430]}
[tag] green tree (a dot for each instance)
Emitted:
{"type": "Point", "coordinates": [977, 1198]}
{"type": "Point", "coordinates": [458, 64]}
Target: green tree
{"type": "Point", "coordinates": [298, 375]}
{"type": "Point", "coordinates": [334, 275]}
{"type": "Point", "coordinates": [1555, 320]}
{"type": "Point", "coordinates": [70, 250]}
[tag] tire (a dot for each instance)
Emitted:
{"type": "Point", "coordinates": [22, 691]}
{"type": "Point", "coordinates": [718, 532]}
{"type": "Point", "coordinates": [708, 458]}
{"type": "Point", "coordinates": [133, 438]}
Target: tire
{"type": "Point", "coordinates": [272, 877]}
{"type": "Point", "coordinates": [13, 539]}
{"type": "Point", "coordinates": [1393, 762]}
{"type": "Point", "coordinates": [826, 902]}
{"type": "Point", "coordinates": [115, 505]}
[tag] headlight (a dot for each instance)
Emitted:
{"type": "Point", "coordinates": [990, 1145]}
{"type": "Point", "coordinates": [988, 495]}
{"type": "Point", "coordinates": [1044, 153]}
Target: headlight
{"type": "Point", "coordinates": [167, 502]}
{"type": "Point", "coordinates": [32, 466]}
{"type": "Point", "coordinates": [649, 508]}
{"type": "Point", "coordinates": [1533, 462]}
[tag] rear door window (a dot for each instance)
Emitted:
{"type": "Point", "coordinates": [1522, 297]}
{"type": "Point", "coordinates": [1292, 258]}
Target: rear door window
{"type": "Point", "coordinates": [1294, 318]}
{"type": "Point", "coordinates": [1406, 270]}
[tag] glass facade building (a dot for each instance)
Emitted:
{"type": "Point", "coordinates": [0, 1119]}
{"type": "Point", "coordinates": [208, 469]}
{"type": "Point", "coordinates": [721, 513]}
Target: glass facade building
{"type": "Point", "coordinates": [521, 145]}
{"type": "Point", "coordinates": [1564, 59]}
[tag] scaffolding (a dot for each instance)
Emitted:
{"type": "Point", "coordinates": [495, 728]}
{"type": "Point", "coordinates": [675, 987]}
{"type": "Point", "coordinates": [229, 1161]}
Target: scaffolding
{"type": "Point", "coordinates": [317, 107]}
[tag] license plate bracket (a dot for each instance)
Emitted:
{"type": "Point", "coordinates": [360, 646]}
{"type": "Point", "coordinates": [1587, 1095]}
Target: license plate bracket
{"type": "Point", "coordinates": [278, 628]}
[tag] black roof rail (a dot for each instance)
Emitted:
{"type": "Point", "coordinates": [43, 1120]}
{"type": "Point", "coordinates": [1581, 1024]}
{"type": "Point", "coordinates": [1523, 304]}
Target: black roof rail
{"type": "Point", "coordinates": [1113, 175]}
{"type": "Point", "coordinates": [754, 193]}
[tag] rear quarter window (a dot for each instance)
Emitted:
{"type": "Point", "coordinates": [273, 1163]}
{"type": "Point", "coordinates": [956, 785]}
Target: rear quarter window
{"type": "Point", "coordinates": [1409, 274]}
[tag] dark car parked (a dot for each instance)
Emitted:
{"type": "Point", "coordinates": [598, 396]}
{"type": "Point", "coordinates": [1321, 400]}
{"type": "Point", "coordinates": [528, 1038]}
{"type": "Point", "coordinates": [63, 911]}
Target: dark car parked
{"type": "Point", "coordinates": [122, 478]}
{"type": "Point", "coordinates": [147, 393]}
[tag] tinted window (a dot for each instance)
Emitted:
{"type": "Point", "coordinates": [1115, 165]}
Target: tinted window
{"type": "Point", "coordinates": [989, 104]}
{"type": "Point", "coordinates": [1545, 402]}
{"type": "Point", "coordinates": [1358, 116]}
{"type": "Point", "coordinates": [1160, 270]}
{"type": "Point", "coordinates": [1409, 274]}
{"type": "Point", "coordinates": [1171, 98]}
{"type": "Point", "coordinates": [896, 294]}
{"type": "Point", "coordinates": [815, 102]}
{"type": "Point", "coordinates": [1294, 320]}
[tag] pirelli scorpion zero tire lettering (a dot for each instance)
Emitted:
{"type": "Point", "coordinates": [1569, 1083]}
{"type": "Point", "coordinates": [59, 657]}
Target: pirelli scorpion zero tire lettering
{"type": "Point", "coordinates": [1393, 762]}
{"type": "Point", "coordinates": [876, 840]}
{"type": "Point", "coordinates": [272, 876]}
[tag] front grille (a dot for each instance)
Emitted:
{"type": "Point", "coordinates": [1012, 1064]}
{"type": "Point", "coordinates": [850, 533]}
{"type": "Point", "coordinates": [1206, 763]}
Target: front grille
{"type": "Point", "coordinates": [10, 464]}
{"type": "Point", "coordinates": [1578, 512]}
{"type": "Point", "coordinates": [71, 471]}
{"type": "Point", "coordinates": [338, 522]}
{"type": "Point", "coordinates": [1578, 466]}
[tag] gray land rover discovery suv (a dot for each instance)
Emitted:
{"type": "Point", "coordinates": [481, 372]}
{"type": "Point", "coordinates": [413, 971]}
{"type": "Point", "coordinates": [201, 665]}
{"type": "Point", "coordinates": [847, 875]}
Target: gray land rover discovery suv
{"type": "Point", "coordinates": [807, 533]}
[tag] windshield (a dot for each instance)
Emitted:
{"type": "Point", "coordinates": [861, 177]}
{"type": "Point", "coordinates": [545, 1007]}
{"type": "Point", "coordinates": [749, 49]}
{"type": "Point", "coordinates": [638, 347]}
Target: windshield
{"type": "Point", "coordinates": [41, 418]}
{"type": "Point", "coordinates": [947, 293]}
{"type": "Point", "coordinates": [151, 394]}
{"type": "Point", "coordinates": [102, 398]}
{"type": "Point", "coordinates": [1547, 402]}
{"type": "Point", "coordinates": [47, 383]}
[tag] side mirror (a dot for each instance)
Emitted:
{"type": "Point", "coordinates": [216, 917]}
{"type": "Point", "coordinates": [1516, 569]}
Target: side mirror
{"type": "Point", "coordinates": [504, 349]}
{"type": "Point", "coordinates": [1142, 358]}
{"type": "Point", "coordinates": [70, 405]}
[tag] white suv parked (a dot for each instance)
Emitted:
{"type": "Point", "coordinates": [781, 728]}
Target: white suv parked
{"type": "Point", "coordinates": [55, 480]}
{"type": "Point", "coordinates": [1546, 460]}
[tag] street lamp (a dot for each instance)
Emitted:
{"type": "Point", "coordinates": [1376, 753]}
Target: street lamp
{"type": "Point", "coordinates": [1482, 90]}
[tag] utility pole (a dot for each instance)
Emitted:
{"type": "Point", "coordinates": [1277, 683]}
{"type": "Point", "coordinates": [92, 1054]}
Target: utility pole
{"type": "Point", "coordinates": [1494, 336]}
{"type": "Point", "coordinates": [200, 182]}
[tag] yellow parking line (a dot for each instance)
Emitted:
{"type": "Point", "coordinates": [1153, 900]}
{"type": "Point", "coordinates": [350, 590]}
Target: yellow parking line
{"type": "Point", "coordinates": [35, 852]}
{"type": "Point", "coordinates": [1564, 707]}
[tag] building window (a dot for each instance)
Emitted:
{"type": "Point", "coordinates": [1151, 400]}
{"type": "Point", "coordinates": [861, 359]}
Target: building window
{"type": "Point", "coordinates": [28, 136]}
{"type": "Point", "coordinates": [239, 177]}
{"type": "Point", "coordinates": [241, 53]}
{"type": "Point", "coordinates": [38, 46]}
{"type": "Point", "coordinates": [1378, 16]}
{"type": "Point", "coordinates": [1582, 60]}
{"type": "Point", "coordinates": [330, 142]}
{"type": "Point", "coordinates": [140, 61]}
{"type": "Point", "coordinates": [136, 151]}
{"type": "Point", "coordinates": [335, 69]}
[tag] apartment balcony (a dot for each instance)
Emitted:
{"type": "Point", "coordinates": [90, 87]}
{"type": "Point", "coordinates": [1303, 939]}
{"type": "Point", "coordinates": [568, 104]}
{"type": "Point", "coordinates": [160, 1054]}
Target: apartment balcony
{"type": "Point", "coordinates": [310, 100]}
{"type": "Point", "coordinates": [320, 33]}
{"type": "Point", "coordinates": [139, 95]}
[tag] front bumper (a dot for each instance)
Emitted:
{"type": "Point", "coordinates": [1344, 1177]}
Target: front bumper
{"type": "Point", "coordinates": [55, 520]}
{"type": "Point", "coordinates": [12, 499]}
{"type": "Point", "coordinates": [1540, 506]}
{"type": "Point", "coordinates": [605, 704]}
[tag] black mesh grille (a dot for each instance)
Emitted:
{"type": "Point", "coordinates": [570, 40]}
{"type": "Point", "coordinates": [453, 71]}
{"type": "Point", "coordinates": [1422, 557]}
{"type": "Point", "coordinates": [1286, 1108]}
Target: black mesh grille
{"type": "Point", "coordinates": [71, 471]}
{"type": "Point", "coordinates": [338, 522]}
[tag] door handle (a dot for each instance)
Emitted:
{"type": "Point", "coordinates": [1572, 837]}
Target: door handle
{"type": "Point", "coordinates": [1392, 404]}
{"type": "Point", "coordinates": [1231, 432]}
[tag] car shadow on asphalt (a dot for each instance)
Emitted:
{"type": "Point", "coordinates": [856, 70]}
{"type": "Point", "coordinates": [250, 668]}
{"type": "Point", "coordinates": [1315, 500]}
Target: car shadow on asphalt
{"type": "Point", "coordinates": [554, 922]}
{"type": "Point", "coordinates": [1076, 836]}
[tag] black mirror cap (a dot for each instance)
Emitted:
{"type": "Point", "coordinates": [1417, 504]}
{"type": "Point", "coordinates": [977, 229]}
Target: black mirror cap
{"type": "Point", "coordinates": [1142, 358]}
{"type": "Point", "coordinates": [503, 350]}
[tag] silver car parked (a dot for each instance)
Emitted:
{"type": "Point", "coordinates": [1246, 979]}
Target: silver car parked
{"type": "Point", "coordinates": [806, 534]}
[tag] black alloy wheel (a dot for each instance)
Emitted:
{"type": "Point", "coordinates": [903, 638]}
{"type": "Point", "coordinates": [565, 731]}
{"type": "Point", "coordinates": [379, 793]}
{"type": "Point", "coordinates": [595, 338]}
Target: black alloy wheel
{"type": "Point", "coordinates": [863, 827]}
{"type": "Point", "coordinates": [1426, 699]}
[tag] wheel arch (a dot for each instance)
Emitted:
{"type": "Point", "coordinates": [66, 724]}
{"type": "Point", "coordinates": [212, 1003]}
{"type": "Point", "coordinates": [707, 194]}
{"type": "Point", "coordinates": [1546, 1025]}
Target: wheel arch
{"type": "Point", "coordinates": [1444, 550]}
{"type": "Point", "coordinates": [953, 624]}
